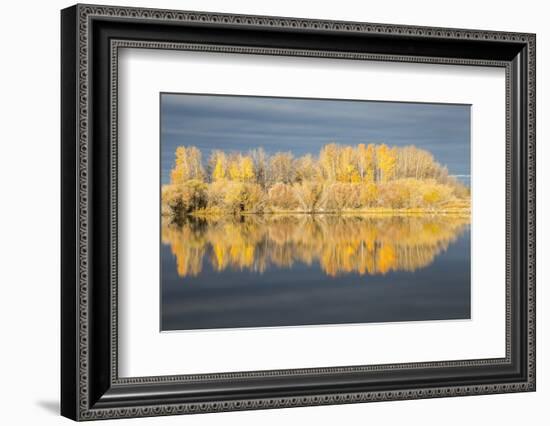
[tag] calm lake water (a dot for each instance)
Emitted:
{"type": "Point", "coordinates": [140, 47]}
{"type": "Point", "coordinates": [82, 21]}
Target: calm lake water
{"type": "Point", "coordinates": [266, 271]}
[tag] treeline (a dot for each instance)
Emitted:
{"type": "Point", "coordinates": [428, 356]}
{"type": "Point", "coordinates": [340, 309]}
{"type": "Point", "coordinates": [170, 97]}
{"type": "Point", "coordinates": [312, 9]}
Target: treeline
{"type": "Point", "coordinates": [340, 178]}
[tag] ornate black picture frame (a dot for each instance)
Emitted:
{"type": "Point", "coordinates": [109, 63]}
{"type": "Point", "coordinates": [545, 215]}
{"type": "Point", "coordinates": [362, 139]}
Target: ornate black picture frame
{"type": "Point", "coordinates": [90, 39]}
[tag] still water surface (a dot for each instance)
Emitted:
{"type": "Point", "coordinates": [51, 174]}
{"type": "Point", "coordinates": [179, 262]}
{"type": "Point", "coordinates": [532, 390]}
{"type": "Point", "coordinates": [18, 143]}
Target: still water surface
{"type": "Point", "coordinates": [260, 271]}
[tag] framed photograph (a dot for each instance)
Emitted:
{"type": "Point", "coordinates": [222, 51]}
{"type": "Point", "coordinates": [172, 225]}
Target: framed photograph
{"type": "Point", "coordinates": [263, 212]}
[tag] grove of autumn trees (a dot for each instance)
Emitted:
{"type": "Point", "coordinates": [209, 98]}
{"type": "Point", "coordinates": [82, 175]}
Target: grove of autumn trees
{"type": "Point", "coordinates": [341, 178]}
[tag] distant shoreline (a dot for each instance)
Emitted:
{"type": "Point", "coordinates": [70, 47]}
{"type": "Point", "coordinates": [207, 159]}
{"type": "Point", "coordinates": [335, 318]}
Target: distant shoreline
{"type": "Point", "coordinates": [353, 212]}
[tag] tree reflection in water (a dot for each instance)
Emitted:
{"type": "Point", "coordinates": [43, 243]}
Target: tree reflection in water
{"type": "Point", "coordinates": [339, 244]}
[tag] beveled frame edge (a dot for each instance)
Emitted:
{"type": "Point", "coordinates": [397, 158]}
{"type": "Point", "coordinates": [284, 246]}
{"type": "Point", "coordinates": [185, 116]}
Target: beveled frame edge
{"type": "Point", "coordinates": [75, 303]}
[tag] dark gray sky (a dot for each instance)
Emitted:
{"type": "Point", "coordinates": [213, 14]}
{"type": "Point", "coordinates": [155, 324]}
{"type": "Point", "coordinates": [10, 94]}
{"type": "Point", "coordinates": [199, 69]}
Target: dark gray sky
{"type": "Point", "coordinates": [241, 123]}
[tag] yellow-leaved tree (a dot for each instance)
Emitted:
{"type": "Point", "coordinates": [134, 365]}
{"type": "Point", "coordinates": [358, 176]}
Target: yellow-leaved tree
{"type": "Point", "coordinates": [328, 160]}
{"type": "Point", "coordinates": [218, 163]}
{"type": "Point", "coordinates": [188, 165]}
{"type": "Point", "coordinates": [387, 160]}
{"type": "Point", "coordinates": [241, 168]}
{"type": "Point", "coordinates": [347, 167]}
{"type": "Point", "coordinates": [247, 169]}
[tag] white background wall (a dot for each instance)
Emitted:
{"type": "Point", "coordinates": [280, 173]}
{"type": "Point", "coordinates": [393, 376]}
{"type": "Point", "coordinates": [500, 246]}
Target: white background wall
{"type": "Point", "coordinates": [29, 215]}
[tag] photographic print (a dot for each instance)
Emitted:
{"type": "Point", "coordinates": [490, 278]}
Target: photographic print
{"type": "Point", "coordinates": [292, 211]}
